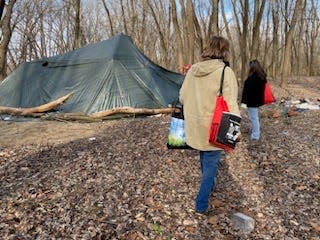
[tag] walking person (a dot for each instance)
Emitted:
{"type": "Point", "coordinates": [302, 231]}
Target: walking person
{"type": "Point", "coordinates": [253, 96]}
{"type": "Point", "coordinates": [198, 94]}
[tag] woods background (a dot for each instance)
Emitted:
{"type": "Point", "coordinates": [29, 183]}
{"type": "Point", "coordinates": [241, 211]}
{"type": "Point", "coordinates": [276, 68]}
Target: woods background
{"type": "Point", "coordinates": [282, 34]}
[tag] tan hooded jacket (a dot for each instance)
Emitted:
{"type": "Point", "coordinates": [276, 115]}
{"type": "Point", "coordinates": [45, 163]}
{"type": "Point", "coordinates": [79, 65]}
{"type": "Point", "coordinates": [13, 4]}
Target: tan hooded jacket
{"type": "Point", "coordinates": [198, 96]}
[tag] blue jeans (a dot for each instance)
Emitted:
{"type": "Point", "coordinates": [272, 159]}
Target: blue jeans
{"type": "Point", "coordinates": [209, 161]}
{"type": "Point", "coordinates": [253, 113]}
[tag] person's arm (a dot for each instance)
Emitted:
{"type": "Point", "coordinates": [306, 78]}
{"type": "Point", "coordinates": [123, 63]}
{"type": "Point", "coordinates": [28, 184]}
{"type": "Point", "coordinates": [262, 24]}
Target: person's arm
{"type": "Point", "coordinates": [230, 90]}
{"type": "Point", "coordinates": [244, 97]}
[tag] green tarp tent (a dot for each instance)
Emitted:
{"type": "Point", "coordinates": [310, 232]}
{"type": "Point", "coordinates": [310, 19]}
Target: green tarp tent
{"type": "Point", "coordinates": [110, 74]}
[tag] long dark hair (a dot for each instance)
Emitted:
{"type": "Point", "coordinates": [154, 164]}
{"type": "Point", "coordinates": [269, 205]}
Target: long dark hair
{"type": "Point", "coordinates": [216, 48]}
{"type": "Point", "coordinates": [255, 67]}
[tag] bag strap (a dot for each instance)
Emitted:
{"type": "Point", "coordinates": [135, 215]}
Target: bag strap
{"type": "Point", "coordinates": [221, 81]}
{"type": "Point", "coordinates": [177, 105]}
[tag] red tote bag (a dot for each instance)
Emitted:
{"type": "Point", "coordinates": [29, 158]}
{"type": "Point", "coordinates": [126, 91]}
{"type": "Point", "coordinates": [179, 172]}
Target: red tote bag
{"type": "Point", "coordinates": [225, 126]}
{"type": "Point", "coordinates": [221, 106]}
{"type": "Point", "coordinates": [268, 96]}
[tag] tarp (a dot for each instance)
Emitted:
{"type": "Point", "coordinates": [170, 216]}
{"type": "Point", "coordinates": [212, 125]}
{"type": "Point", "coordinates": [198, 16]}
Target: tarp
{"type": "Point", "coordinates": [109, 74]}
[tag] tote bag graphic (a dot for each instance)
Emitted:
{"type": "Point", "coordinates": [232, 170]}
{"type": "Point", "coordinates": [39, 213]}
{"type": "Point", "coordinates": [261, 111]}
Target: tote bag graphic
{"type": "Point", "coordinates": [225, 126]}
{"type": "Point", "coordinates": [177, 136]}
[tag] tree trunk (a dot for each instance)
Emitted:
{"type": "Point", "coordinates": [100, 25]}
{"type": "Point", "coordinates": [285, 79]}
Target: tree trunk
{"type": "Point", "coordinates": [177, 34]}
{"type": "Point", "coordinates": [6, 29]}
{"type": "Point", "coordinates": [286, 64]}
{"type": "Point", "coordinates": [133, 18]}
{"type": "Point", "coordinates": [141, 37]}
{"type": "Point", "coordinates": [43, 48]}
{"type": "Point", "coordinates": [299, 54]}
{"type": "Point", "coordinates": [109, 17]}
{"type": "Point", "coordinates": [243, 35]}
{"type": "Point", "coordinates": [190, 31]}
{"type": "Point", "coordinates": [77, 32]}
{"type": "Point", "coordinates": [275, 41]}
{"type": "Point", "coordinates": [315, 25]}
{"type": "Point", "coordinates": [197, 33]}
{"type": "Point", "coordinates": [184, 30]}
{"type": "Point", "coordinates": [123, 18]}
{"type": "Point", "coordinates": [160, 32]}
{"type": "Point", "coordinates": [233, 53]}
{"type": "Point", "coordinates": [258, 13]}
{"type": "Point", "coordinates": [266, 55]}
{"type": "Point", "coordinates": [168, 36]}
{"type": "Point", "coordinates": [2, 3]}
{"type": "Point", "coordinates": [214, 19]}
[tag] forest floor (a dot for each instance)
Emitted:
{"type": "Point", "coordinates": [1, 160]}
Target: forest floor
{"type": "Point", "coordinates": [117, 179]}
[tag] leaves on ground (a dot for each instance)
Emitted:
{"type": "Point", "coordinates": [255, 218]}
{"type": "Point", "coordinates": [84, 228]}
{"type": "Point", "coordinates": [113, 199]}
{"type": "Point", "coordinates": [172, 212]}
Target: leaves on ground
{"type": "Point", "coordinates": [121, 182]}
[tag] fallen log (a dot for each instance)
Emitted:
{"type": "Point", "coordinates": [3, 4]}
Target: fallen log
{"type": "Point", "coordinates": [131, 110]}
{"type": "Point", "coordinates": [35, 111]}
{"type": "Point", "coordinates": [67, 117]}
{"type": "Point", "coordinates": [98, 116]}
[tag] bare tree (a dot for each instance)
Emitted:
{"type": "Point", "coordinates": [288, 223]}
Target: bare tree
{"type": "Point", "coordinates": [214, 20]}
{"type": "Point", "coordinates": [184, 28]}
{"type": "Point", "coordinates": [2, 3]}
{"type": "Point", "coordinates": [267, 40]}
{"type": "Point", "coordinates": [242, 28]}
{"type": "Point", "coordinates": [159, 30]}
{"type": "Point", "coordinates": [199, 40]}
{"type": "Point", "coordinates": [177, 34]}
{"type": "Point", "coordinates": [6, 29]}
{"type": "Point", "coordinates": [314, 23]}
{"type": "Point", "coordinates": [109, 17]}
{"type": "Point", "coordinates": [229, 34]}
{"type": "Point", "coordinates": [257, 17]}
{"type": "Point", "coordinates": [170, 32]}
{"type": "Point", "coordinates": [133, 17]}
{"type": "Point", "coordinates": [142, 30]}
{"type": "Point", "coordinates": [124, 17]}
{"type": "Point", "coordinates": [190, 31]}
{"type": "Point", "coordinates": [298, 49]}
{"type": "Point", "coordinates": [275, 41]}
{"type": "Point", "coordinates": [286, 64]}
{"type": "Point", "coordinates": [77, 28]}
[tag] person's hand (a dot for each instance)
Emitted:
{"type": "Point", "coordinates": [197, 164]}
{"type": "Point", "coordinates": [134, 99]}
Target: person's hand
{"type": "Point", "coordinates": [243, 105]}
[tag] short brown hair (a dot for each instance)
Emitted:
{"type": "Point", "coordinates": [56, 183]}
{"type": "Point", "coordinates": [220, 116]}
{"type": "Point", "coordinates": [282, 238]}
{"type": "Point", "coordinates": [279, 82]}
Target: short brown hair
{"type": "Point", "coordinates": [217, 48]}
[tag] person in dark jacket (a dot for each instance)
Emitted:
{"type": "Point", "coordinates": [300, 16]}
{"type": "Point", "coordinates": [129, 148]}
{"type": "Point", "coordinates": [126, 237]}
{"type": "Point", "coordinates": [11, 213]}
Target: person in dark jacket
{"type": "Point", "coordinates": [253, 95]}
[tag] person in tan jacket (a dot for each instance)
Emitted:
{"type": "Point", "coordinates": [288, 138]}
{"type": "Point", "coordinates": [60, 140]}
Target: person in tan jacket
{"type": "Point", "coordinates": [198, 94]}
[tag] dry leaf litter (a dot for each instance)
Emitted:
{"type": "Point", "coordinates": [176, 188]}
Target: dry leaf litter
{"type": "Point", "coordinates": [121, 182]}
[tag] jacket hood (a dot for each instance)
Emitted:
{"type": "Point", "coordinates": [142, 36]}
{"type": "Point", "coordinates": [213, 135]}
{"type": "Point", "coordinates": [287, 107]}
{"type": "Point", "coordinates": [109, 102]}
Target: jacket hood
{"type": "Point", "coordinates": [204, 68]}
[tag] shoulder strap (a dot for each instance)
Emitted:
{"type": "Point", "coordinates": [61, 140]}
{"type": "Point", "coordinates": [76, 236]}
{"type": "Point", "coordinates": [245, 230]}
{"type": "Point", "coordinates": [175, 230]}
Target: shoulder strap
{"type": "Point", "coordinates": [221, 81]}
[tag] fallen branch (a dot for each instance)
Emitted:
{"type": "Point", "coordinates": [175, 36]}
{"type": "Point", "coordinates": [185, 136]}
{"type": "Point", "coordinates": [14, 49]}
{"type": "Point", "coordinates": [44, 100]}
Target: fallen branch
{"type": "Point", "coordinates": [131, 111]}
{"type": "Point", "coordinates": [67, 117]}
{"type": "Point", "coordinates": [35, 110]}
